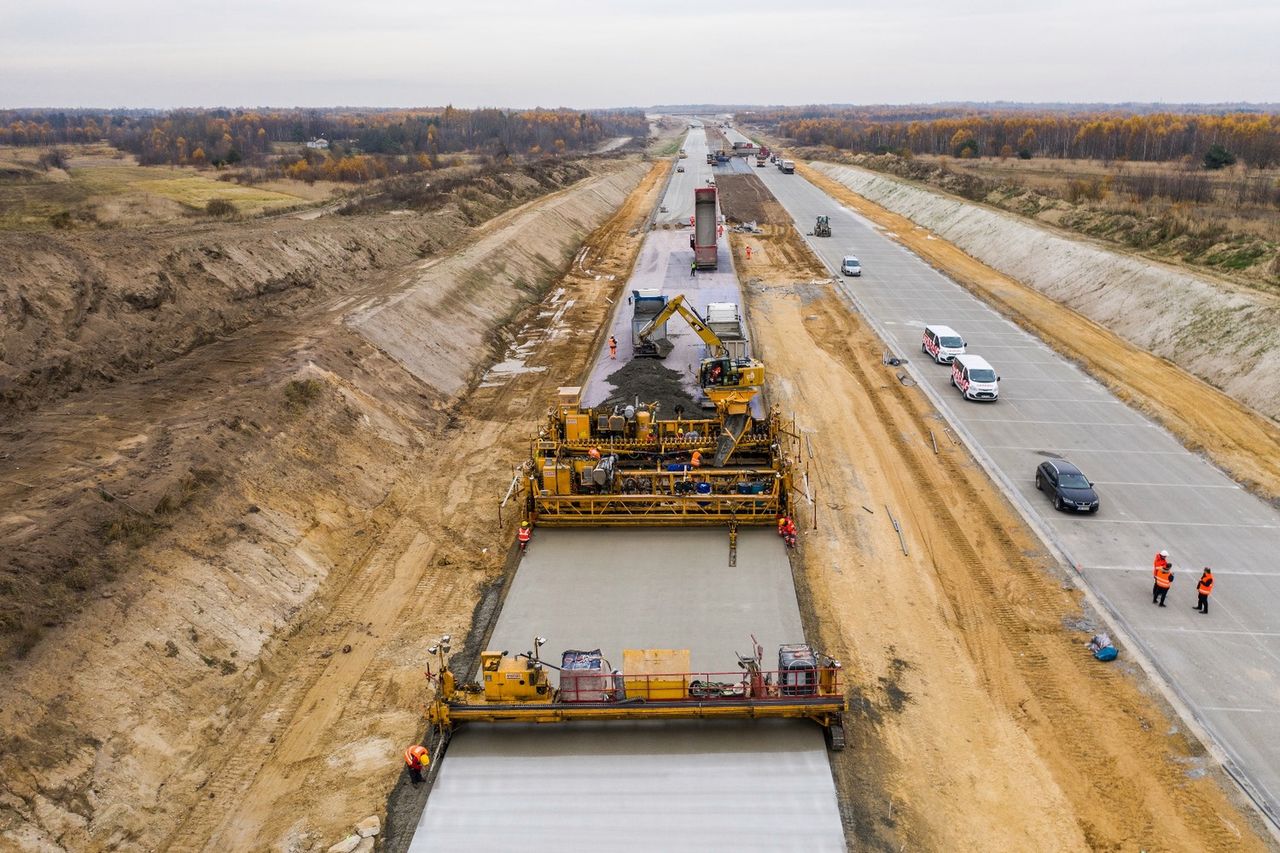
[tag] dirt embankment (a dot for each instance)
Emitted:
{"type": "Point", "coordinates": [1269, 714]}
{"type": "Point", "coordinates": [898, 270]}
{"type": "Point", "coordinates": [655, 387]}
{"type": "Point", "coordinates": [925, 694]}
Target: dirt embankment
{"type": "Point", "coordinates": [979, 720]}
{"type": "Point", "coordinates": [1229, 338]}
{"type": "Point", "coordinates": [1219, 231]}
{"type": "Point", "coordinates": [86, 308]}
{"type": "Point", "coordinates": [236, 663]}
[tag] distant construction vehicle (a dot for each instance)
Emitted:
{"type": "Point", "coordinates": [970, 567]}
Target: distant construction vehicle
{"type": "Point", "coordinates": [703, 239]}
{"type": "Point", "coordinates": [653, 684]}
{"type": "Point", "coordinates": [822, 228]}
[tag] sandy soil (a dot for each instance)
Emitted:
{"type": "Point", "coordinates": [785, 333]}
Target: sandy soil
{"type": "Point", "coordinates": [1242, 442]}
{"type": "Point", "coordinates": [249, 677]}
{"type": "Point", "coordinates": [980, 721]}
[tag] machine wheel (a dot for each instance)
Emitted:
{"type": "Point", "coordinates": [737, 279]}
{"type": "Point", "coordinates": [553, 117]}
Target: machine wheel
{"type": "Point", "coordinates": [1057, 503]}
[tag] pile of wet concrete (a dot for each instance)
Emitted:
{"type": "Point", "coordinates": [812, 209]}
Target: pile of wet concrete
{"type": "Point", "coordinates": [649, 380]}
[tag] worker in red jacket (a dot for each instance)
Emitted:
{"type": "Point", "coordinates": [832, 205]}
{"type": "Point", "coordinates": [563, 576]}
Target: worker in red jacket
{"type": "Point", "coordinates": [524, 535]}
{"type": "Point", "coordinates": [1203, 589]}
{"type": "Point", "coordinates": [416, 758]}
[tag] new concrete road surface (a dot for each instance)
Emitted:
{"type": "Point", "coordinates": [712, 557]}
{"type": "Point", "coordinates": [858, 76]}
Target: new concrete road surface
{"type": "Point", "coordinates": [637, 786]}
{"type": "Point", "coordinates": [640, 786]}
{"type": "Point", "coordinates": [1154, 493]}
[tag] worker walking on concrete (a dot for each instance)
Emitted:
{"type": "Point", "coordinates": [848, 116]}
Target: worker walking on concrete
{"type": "Point", "coordinates": [613, 347]}
{"type": "Point", "coordinates": [693, 268]}
{"type": "Point", "coordinates": [1203, 589]}
{"type": "Point", "coordinates": [416, 758]}
{"type": "Point", "coordinates": [524, 535]}
{"type": "Point", "coordinates": [1162, 572]}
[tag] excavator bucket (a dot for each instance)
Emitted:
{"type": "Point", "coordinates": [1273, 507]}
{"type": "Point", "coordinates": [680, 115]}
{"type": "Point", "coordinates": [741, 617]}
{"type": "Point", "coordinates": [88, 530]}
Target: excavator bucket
{"type": "Point", "coordinates": [735, 426]}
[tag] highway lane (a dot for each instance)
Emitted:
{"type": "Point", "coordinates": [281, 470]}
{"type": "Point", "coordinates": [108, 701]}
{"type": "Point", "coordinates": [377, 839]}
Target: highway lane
{"type": "Point", "coordinates": [1225, 667]}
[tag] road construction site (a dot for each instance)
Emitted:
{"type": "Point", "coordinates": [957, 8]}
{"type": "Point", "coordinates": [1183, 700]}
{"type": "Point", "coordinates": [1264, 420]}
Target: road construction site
{"type": "Point", "coordinates": [269, 709]}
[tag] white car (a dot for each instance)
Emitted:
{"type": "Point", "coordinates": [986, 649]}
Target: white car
{"type": "Point", "coordinates": [851, 266]}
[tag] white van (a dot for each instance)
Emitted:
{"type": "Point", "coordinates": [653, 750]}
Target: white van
{"type": "Point", "coordinates": [851, 266]}
{"type": "Point", "coordinates": [942, 343]}
{"type": "Point", "coordinates": [976, 379]}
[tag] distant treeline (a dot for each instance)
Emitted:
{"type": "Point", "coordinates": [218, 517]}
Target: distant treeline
{"type": "Point", "coordinates": [1253, 138]}
{"type": "Point", "coordinates": [199, 137]}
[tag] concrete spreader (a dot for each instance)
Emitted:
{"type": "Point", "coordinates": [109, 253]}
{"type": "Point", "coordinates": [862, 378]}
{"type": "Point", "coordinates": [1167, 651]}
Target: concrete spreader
{"type": "Point", "coordinates": [638, 786]}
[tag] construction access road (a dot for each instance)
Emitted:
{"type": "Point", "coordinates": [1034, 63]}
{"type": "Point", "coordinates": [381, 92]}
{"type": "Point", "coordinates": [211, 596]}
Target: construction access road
{"type": "Point", "coordinates": [1222, 668]}
{"type": "Point", "coordinates": [761, 785]}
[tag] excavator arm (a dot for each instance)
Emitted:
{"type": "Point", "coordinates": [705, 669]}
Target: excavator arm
{"type": "Point", "coordinates": [699, 326]}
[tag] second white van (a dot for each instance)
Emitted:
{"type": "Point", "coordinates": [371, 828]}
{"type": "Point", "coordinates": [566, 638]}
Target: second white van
{"type": "Point", "coordinates": [976, 379]}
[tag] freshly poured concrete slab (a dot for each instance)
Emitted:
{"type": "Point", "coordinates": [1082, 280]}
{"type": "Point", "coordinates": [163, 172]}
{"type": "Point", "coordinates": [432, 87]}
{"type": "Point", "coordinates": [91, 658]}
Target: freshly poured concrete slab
{"type": "Point", "coordinates": [1155, 493]}
{"type": "Point", "coordinates": [692, 786]}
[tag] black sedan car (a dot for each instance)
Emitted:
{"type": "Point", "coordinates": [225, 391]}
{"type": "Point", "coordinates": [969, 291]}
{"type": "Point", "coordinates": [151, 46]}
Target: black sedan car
{"type": "Point", "coordinates": [1067, 485]}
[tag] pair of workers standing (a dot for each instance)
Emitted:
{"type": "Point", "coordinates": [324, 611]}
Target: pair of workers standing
{"type": "Point", "coordinates": [1162, 573]}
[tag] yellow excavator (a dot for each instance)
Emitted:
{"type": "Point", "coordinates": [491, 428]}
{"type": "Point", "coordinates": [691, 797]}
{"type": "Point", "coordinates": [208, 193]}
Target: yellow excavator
{"type": "Point", "coordinates": [729, 383]}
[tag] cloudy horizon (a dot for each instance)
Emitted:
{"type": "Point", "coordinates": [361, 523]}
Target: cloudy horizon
{"type": "Point", "coordinates": [147, 54]}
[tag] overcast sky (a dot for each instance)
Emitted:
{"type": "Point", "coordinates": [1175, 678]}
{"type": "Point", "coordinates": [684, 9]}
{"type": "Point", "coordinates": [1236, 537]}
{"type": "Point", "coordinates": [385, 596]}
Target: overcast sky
{"type": "Point", "coordinates": [143, 53]}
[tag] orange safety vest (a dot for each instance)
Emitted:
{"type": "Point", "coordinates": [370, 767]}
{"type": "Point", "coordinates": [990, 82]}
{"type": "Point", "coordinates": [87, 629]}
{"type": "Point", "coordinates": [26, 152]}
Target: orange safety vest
{"type": "Point", "coordinates": [525, 534]}
{"type": "Point", "coordinates": [1161, 562]}
{"type": "Point", "coordinates": [1164, 578]}
{"type": "Point", "coordinates": [1206, 585]}
{"type": "Point", "coordinates": [416, 756]}
{"type": "Point", "coordinates": [696, 458]}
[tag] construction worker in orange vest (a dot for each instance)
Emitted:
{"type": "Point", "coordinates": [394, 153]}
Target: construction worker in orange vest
{"type": "Point", "coordinates": [1203, 589]}
{"type": "Point", "coordinates": [1163, 574]}
{"type": "Point", "coordinates": [695, 459]}
{"type": "Point", "coordinates": [416, 758]}
{"type": "Point", "coordinates": [613, 347]}
{"type": "Point", "coordinates": [524, 535]}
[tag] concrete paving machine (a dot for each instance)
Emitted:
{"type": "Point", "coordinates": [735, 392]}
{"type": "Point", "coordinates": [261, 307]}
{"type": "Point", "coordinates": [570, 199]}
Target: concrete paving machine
{"type": "Point", "coordinates": [653, 684]}
{"type": "Point", "coordinates": [622, 466]}
{"type": "Point", "coordinates": [823, 227]}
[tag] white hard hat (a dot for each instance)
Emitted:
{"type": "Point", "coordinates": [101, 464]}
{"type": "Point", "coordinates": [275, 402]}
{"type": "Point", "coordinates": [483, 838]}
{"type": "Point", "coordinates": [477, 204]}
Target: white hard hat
{"type": "Point", "coordinates": [1164, 553]}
